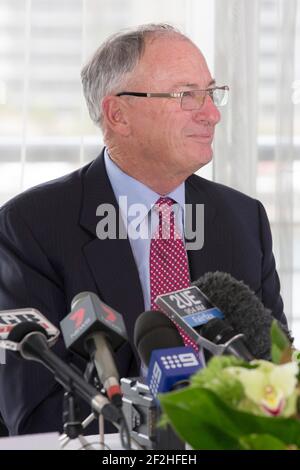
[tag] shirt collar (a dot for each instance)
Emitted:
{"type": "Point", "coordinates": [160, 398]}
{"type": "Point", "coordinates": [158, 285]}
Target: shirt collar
{"type": "Point", "coordinates": [137, 192]}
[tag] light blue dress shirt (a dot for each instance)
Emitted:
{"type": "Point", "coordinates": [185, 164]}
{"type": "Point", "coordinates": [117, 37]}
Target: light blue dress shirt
{"type": "Point", "coordinates": [137, 193]}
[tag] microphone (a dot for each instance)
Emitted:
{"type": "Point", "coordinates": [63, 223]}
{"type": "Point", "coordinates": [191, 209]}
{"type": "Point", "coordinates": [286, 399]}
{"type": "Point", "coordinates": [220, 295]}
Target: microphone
{"type": "Point", "coordinates": [153, 330]}
{"type": "Point", "coordinates": [242, 309]}
{"type": "Point", "coordinates": [30, 338]}
{"type": "Point", "coordinates": [203, 322]}
{"type": "Point", "coordinates": [161, 348]}
{"type": "Point", "coordinates": [93, 330]}
{"type": "Point", "coordinates": [155, 336]}
{"type": "Point", "coordinates": [9, 319]}
{"type": "Point", "coordinates": [170, 369]}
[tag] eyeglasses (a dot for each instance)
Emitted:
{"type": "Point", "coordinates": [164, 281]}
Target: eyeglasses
{"type": "Point", "coordinates": [189, 100]}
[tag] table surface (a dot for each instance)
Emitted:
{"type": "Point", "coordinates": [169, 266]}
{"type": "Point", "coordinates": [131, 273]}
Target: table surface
{"type": "Point", "coordinates": [50, 441]}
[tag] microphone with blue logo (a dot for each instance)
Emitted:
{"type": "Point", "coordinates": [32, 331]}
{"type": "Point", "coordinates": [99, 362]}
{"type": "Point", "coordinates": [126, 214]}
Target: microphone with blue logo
{"type": "Point", "coordinates": [170, 369]}
{"type": "Point", "coordinates": [203, 322]}
{"type": "Point", "coordinates": [161, 348]}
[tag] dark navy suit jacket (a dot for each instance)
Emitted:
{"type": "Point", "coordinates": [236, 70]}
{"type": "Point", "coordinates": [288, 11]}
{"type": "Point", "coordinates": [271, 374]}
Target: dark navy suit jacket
{"type": "Point", "coordinates": [49, 252]}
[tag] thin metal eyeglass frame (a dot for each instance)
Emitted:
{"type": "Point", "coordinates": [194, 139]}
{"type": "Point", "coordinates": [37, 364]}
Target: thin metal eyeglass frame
{"type": "Point", "coordinates": [180, 94]}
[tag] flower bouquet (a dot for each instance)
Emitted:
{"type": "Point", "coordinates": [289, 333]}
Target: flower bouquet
{"type": "Point", "coordinates": [232, 404]}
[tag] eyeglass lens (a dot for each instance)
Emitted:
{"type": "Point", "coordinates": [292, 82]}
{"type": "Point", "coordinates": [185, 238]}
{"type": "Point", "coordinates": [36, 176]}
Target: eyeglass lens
{"type": "Point", "coordinates": [195, 99]}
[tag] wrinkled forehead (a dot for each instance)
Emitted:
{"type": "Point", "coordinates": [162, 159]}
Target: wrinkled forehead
{"type": "Point", "coordinates": [167, 61]}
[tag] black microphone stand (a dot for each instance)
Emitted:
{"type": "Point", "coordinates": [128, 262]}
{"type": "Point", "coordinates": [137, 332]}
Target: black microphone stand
{"type": "Point", "coordinates": [71, 422]}
{"type": "Point", "coordinates": [73, 427]}
{"type": "Point", "coordinates": [91, 376]}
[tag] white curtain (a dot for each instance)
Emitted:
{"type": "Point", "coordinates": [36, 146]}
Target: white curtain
{"type": "Point", "coordinates": [253, 46]}
{"type": "Point", "coordinates": [45, 130]}
{"type": "Point", "coordinates": [255, 147]}
{"type": "Point", "coordinates": [236, 64]}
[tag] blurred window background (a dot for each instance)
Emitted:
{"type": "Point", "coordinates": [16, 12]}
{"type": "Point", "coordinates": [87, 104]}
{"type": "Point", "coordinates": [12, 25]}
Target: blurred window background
{"type": "Point", "coordinates": [254, 47]}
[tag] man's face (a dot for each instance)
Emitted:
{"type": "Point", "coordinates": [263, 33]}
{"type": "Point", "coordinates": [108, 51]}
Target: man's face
{"type": "Point", "coordinates": [163, 133]}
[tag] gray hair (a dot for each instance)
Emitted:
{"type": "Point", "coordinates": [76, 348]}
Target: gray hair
{"type": "Point", "coordinates": [107, 71]}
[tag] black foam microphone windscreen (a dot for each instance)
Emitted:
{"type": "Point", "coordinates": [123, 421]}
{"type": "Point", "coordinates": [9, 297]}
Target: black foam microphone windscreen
{"type": "Point", "coordinates": [242, 309]}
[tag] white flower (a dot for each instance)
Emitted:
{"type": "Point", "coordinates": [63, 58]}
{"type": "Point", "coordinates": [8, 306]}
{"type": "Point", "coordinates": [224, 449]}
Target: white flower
{"type": "Point", "coordinates": [269, 386]}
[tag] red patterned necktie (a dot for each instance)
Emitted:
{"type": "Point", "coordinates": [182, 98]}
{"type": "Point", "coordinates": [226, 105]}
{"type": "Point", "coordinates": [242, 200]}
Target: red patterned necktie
{"type": "Point", "coordinates": [169, 269]}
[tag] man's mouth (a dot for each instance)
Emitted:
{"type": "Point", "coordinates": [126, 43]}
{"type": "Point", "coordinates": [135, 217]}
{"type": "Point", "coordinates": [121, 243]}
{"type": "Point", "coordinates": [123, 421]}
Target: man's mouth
{"type": "Point", "coordinates": [204, 137]}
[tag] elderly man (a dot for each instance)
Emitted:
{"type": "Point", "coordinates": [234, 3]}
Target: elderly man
{"type": "Point", "coordinates": [152, 94]}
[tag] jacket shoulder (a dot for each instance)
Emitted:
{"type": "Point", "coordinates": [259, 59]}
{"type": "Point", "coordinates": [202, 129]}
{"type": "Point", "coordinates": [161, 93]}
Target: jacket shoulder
{"type": "Point", "coordinates": [221, 193]}
{"type": "Point", "coordinates": [54, 193]}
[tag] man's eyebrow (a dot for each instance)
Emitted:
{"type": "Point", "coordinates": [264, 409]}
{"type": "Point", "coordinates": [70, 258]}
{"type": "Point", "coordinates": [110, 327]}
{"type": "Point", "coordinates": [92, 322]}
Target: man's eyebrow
{"type": "Point", "coordinates": [212, 82]}
{"type": "Point", "coordinates": [191, 85]}
{"type": "Point", "coordinates": [194, 85]}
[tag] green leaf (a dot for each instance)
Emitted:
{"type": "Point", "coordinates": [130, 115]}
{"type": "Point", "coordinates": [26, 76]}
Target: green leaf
{"type": "Point", "coordinates": [280, 342]}
{"type": "Point", "coordinates": [215, 377]}
{"type": "Point", "coordinates": [193, 429]}
{"type": "Point", "coordinates": [261, 442]}
{"type": "Point", "coordinates": [205, 421]}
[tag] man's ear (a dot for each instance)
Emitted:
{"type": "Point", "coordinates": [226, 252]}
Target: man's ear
{"type": "Point", "coordinates": [115, 115]}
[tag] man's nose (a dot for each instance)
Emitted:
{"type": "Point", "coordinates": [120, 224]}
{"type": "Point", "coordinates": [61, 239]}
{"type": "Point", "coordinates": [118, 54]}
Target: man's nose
{"type": "Point", "coordinates": [208, 112]}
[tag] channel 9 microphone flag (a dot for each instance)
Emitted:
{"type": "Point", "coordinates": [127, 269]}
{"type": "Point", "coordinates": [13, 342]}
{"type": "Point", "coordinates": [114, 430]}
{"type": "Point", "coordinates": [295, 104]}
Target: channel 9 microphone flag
{"type": "Point", "coordinates": [171, 368]}
{"type": "Point", "coordinates": [161, 348]}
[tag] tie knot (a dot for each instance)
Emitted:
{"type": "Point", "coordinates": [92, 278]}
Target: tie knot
{"type": "Point", "coordinates": [163, 202]}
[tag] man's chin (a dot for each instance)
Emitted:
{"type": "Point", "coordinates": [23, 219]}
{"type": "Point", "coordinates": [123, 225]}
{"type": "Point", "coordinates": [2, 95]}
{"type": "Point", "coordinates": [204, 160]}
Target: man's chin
{"type": "Point", "coordinates": [204, 157]}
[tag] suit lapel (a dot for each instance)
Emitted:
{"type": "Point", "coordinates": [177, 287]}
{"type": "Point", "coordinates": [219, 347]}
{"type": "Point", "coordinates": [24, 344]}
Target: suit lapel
{"type": "Point", "coordinates": [110, 261]}
{"type": "Point", "coordinates": [216, 253]}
